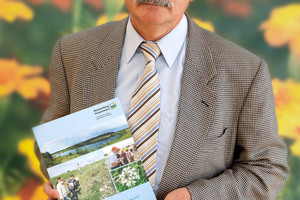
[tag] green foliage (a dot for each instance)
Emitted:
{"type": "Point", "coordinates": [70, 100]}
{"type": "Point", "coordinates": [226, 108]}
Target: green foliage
{"type": "Point", "coordinates": [113, 7]}
{"type": "Point", "coordinates": [13, 173]}
{"type": "Point", "coordinates": [48, 159]}
{"type": "Point", "coordinates": [291, 190]}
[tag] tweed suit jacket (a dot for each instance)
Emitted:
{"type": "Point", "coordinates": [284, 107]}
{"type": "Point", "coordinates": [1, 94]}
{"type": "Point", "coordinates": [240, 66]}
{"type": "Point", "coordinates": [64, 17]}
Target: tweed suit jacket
{"type": "Point", "coordinates": [226, 144]}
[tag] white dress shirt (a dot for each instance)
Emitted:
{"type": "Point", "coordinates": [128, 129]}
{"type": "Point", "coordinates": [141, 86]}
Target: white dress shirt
{"type": "Point", "coordinates": [112, 158]}
{"type": "Point", "coordinates": [169, 66]}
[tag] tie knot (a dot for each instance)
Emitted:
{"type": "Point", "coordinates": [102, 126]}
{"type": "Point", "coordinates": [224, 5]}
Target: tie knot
{"type": "Point", "coordinates": [150, 50]}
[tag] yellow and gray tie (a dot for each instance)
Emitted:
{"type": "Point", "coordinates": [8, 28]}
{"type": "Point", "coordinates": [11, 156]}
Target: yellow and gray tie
{"type": "Point", "coordinates": [143, 116]}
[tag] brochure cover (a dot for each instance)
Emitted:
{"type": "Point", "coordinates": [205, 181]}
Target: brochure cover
{"type": "Point", "coordinates": [91, 155]}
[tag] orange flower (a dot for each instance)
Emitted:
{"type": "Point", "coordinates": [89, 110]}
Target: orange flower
{"type": "Point", "coordinates": [96, 4]}
{"type": "Point", "coordinates": [287, 102]}
{"type": "Point", "coordinates": [104, 19]}
{"type": "Point", "coordinates": [10, 10]}
{"type": "Point", "coordinates": [283, 27]}
{"type": "Point", "coordinates": [63, 5]}
{"type": "Point", "coordinates": [205, 24]}
{"type": "Point", "coordinates": [29, 188]}
{"type": "Point", "coordinates": [66, 5]}
{"type": "Point", "coordinates": [21, 78]}
{"type": "Point", "coordinates": [237, 8]}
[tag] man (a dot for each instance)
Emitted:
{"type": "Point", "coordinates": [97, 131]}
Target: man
{"type": "Point", "coordinates": [71, 187]}
{"type": "Point", "coordinates": [77, 186]}
{"type": "Point", "coordinates": [130, 155]}
{"type": "Point", "coordinates": [217, 128]}
{"type": "Point", "coordinates": [113, 160]}
{"type": "Point", "coordinates": [124, 157]}
{"type": "Point", "coordinates": [62, 190]}
{"type": "Point", "coordinates": [79, 168]}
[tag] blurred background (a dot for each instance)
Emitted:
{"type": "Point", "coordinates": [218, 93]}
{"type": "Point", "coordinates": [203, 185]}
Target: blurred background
{"type": "Point", "coordinates": [30, 28]}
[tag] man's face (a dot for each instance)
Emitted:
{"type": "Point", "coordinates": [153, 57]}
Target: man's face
{"type": "Point", "coordinates": [148, 11]}
{"type": "Point", "coordinates": [115, 151]}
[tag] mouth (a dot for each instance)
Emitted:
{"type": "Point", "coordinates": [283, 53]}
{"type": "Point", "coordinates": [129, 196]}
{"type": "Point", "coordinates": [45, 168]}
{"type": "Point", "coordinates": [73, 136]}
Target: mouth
{"type": "Point", "coordinates": [160, 3]}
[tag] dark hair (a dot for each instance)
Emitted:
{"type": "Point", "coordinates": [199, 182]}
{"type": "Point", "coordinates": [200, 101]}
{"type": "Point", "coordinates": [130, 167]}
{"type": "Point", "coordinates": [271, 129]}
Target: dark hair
{"type": "Point", "coordinates": [72, 175]}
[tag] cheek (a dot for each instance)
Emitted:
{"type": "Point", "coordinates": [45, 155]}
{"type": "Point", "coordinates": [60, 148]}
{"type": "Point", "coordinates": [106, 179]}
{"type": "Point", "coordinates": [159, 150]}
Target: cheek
{"type": "Point", "coordinates": [182, 5]}
{"type": "Point", "coordinates": [130, 5]}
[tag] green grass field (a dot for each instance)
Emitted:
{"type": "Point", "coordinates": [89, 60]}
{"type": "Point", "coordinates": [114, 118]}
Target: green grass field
{"type": "Point", "coordinates": [95, 181]}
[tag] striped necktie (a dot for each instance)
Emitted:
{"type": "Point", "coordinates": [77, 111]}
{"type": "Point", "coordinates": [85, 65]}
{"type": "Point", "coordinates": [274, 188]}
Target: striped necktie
{"type": "Point", "coordinates": [143, 116]}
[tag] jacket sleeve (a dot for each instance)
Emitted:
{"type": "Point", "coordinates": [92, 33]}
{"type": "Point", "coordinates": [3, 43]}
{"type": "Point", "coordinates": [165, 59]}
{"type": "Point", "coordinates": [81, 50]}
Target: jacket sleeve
{"type": "Point", "coordinates": [260, 167]}
{"type": "Point", "coordinates": [59, 98]}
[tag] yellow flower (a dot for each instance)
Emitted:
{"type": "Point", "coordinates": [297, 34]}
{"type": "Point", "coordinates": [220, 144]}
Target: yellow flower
{"type": "Point", "coordinates": [39, 194]}
{"type": "Point", "coordinates": [283, 27]}
{"type": "Point", "coordinates": [26, 147]}
{"type": "Point", "coordinates": [104, 19]}
{"type": "Point", "coordinates": [287, 102]}
{"type": "Point", "coordinates": [12, 198]}
{"type": "Point", "coordinates": [10, 10]}
{"type": "Point", "coordinates": [21, 78]}
{"type": "Point", "coordinates": [205, 24]}
{"type": "Point", "coordinates": [286, 92]}
{"type": "Point", "coordinates": [295, 44]}
{"type": "Point", "coordinates": [296, 148]}
{"type": "Point", "coordinates": [30, 88]}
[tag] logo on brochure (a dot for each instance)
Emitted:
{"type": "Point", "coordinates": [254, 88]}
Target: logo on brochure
{"type": "Point", "coordinates": [113, 105]}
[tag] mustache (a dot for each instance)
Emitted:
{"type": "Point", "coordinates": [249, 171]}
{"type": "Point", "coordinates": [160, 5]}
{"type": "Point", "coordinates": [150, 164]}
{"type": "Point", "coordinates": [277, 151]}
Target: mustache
{"type": "Point", "coordinates": [162, 3]}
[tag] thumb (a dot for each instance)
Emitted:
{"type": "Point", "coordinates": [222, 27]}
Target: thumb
{"type": "Point", "coordinates": [50, 192]}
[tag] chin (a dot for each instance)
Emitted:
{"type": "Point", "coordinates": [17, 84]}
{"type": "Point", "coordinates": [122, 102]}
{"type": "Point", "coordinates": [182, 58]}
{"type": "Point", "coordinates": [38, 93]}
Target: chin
{"type": "Point", "coordinates": [153, 18]}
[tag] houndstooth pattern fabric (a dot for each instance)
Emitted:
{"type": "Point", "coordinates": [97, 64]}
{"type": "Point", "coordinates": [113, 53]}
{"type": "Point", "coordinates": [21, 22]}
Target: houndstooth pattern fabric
{"type": "Point", "coordinates": [144, 109]}
{"type": "Point", "coordinates": [226, 143]}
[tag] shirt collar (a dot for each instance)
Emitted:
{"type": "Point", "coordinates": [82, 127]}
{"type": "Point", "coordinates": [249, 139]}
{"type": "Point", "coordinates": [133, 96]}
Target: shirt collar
{"type": "Point", "coordinates": [132, 41]}
{"type": "Point", "coordinates": [170, 45]}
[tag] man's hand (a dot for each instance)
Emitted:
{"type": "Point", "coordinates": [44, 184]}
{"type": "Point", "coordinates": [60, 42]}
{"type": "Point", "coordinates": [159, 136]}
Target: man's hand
{"type": "Point", "coordinates": [179, 194]}
{"type": "Point", "coordinates": [50, 192]}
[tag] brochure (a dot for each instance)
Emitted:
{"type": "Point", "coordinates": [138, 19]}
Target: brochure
{"type": "Point", "coordinates": [91, 155]}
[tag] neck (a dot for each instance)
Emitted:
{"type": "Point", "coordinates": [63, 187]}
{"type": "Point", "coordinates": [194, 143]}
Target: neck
{"type": "Point", "coordinates": [153, 32]}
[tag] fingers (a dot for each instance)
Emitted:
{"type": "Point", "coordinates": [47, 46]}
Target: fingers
{"type": "Point", "coordinates": [179, 194]}
{"type": "Point", "coordinates": [50, 192]}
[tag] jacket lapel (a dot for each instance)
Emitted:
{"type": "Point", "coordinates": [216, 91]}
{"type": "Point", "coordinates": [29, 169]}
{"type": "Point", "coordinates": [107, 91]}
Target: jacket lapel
{"type": "Point", "coordinates": [100, 85]}
{"type": "Point", "coordinates": [195, 113]}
